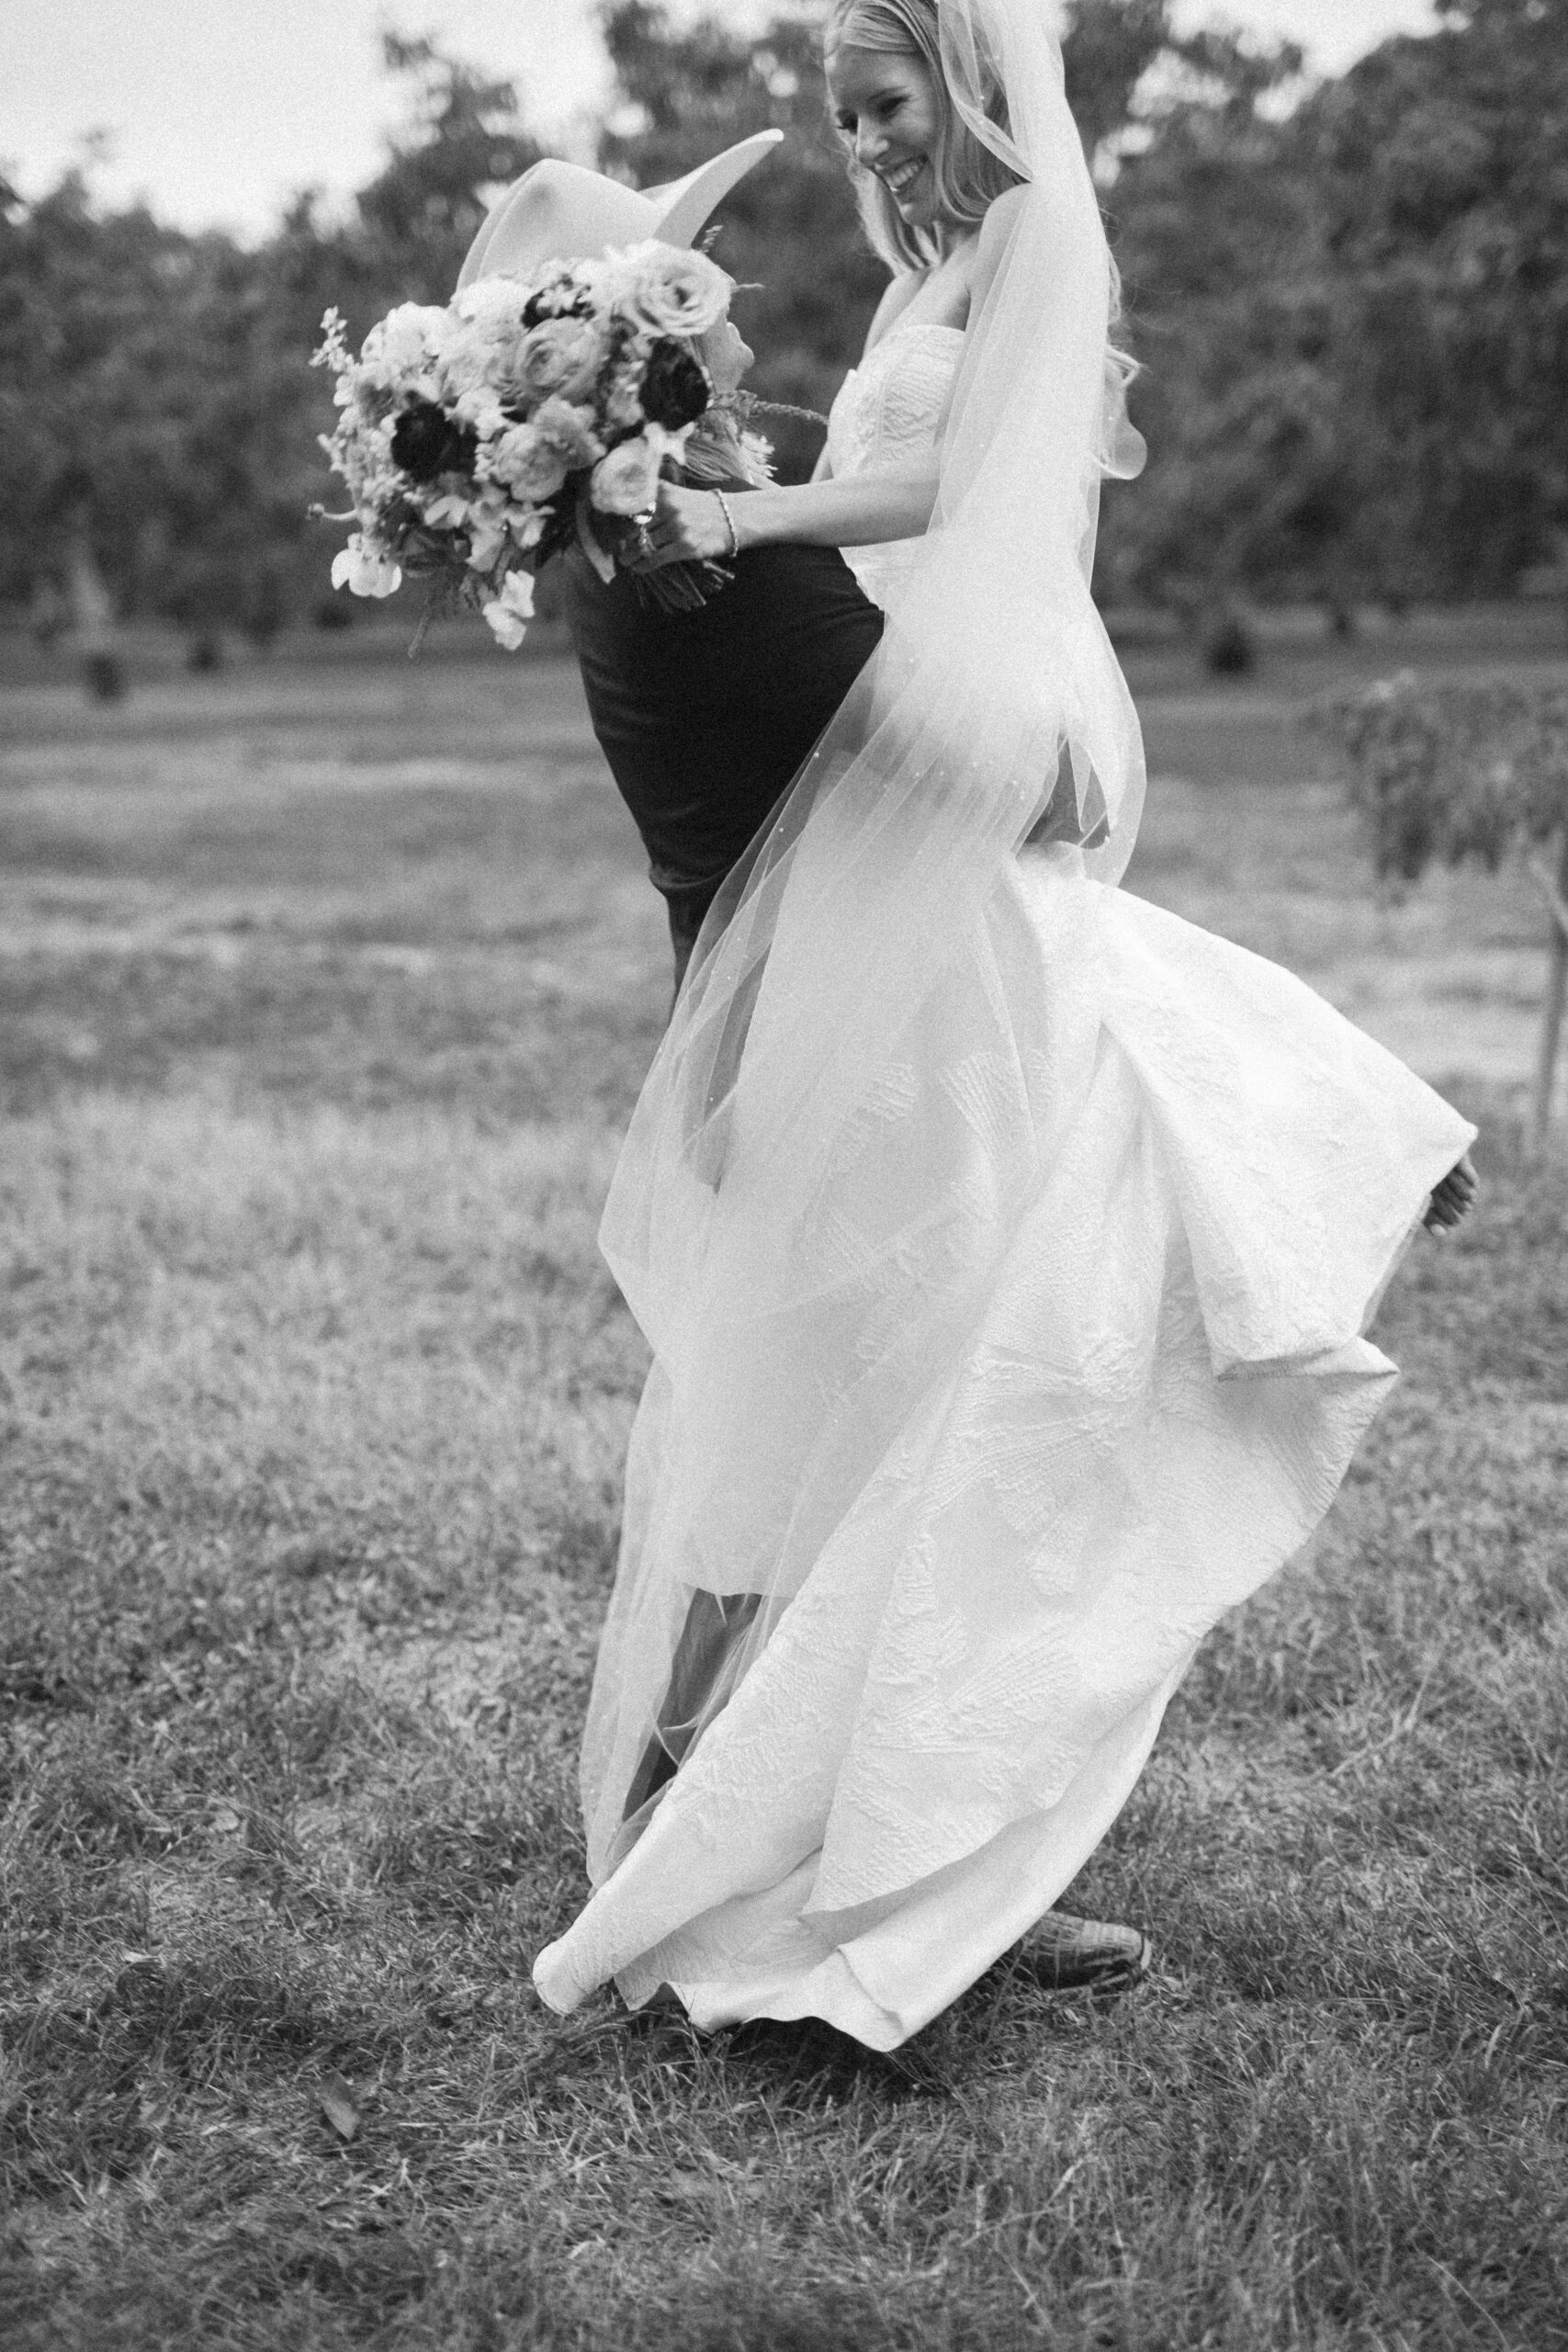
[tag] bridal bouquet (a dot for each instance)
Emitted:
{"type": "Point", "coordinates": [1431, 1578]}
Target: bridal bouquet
{"type": "Point", "coordinates": [477, 440]}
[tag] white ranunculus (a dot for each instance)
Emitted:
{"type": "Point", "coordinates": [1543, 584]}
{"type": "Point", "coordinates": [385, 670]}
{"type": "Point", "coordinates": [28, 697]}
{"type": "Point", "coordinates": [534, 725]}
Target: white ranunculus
{"type": "Point", "coordinates": [483, 353]}
{"type": "Point", "coordinates": [569, 429]}
{"type": "Point", "coordinates": [364, 571]}
{"type": "Point", "coordinates": [560, 358]}
{"type": "Point", "coordinates": [666, 291]}
{"type": "Point", "coordinates": [627, 482]}
{"type": "Point", "coordinates": [529, 465]}
{"type": "Point", "coordinates": [508, 611]}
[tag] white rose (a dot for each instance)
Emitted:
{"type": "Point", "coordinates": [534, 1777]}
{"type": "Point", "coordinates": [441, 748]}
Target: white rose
{"type": "Point", "coordinates": [627, 482]}
{"type": "Point", "coordinates": [507, 611]}
{"type": "Point", "coordinates": [529, 465]}
{"type": "Point", "coordinates": [667, 292]}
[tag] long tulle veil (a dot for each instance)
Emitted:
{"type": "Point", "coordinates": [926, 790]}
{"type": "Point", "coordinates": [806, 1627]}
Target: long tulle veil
{"type": "Point", "coordinates": [772, 1213]}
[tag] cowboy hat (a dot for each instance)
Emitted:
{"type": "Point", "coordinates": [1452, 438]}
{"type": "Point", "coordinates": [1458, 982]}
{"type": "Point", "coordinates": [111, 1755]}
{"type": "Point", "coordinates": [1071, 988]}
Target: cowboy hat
{"type": "Point", "coordinates": [562, 212]}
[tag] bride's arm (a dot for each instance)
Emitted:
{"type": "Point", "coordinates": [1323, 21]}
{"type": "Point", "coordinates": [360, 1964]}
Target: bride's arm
{"type": "Point", "coordinates": [862, 512]}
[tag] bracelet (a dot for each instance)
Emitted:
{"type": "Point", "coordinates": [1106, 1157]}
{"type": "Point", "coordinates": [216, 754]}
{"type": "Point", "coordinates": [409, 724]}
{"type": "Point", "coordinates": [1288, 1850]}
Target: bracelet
{"type": "Point", "coordinates": [729, 520]}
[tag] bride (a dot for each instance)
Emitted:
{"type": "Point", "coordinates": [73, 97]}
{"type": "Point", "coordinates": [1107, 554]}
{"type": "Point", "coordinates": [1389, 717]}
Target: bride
{"type": "Point", "coordinates": [1005, 1245]}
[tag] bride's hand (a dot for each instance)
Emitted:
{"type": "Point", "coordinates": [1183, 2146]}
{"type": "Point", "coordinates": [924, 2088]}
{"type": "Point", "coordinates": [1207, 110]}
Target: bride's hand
{"type": "Point", "coordinates": [688, 526]}
{"type": "Point", "coordinates": [1452, 1199]}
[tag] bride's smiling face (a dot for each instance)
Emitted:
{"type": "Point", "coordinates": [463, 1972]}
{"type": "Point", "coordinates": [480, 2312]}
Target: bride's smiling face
{"type": "Point", "coordinates": [887, 109]}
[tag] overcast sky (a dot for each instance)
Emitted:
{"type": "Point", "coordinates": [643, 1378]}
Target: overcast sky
{"type": "Point", "coordinates": [217, 110]}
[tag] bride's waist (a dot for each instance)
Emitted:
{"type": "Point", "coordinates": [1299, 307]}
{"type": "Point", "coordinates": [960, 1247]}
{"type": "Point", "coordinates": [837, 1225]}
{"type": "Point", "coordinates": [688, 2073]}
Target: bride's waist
{"type": "Point", "coordinates": [881, 566]}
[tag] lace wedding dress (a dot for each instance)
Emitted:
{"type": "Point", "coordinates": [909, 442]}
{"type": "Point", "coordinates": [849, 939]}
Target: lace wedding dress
{"type": "Point", "coordinates": [886, 414]}
{"type": "Point", "coordinates": [931, 1576]}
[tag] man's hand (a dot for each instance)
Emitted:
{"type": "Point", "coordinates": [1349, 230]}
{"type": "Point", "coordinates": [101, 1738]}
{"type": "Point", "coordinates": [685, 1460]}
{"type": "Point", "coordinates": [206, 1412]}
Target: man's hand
{"type": "Point", "coordinates": [1452, 1199]}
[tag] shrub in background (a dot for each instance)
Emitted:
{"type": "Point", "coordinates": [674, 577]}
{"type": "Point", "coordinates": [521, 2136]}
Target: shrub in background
{"type": "Point", "coordinates": [1462, 773]}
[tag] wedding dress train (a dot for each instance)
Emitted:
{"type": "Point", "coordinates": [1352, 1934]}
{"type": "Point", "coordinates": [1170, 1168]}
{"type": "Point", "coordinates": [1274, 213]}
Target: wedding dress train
{"type": "Point", "coordinates": [968, 1497]}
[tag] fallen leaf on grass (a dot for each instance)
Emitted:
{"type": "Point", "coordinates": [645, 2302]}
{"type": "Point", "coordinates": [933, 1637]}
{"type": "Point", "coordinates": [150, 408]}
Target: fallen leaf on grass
{"type": "Point", "coordinates": [336, 2102]}
{"type": "Point", "coordinates": [684, 2185]}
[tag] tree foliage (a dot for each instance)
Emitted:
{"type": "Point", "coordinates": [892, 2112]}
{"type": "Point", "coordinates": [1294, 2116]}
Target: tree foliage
{"type": "Point", "coordinates": [1355, 316]}
{"type": "Point", "coordinates": [159, 384]}
{"type": "Point", "coordinates": [1454, 772]}
{"type": "Point", "coordinates": [1467, 771]}
{"type": "Point", "coordinates": [1350, 303]}
{"type": "Point", "coordinates": [1443, 203]}
{"type": "Point", "coordinates": [463, 143]}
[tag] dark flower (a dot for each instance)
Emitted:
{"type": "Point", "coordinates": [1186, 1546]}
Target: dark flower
{"type": "Point", "coordinates": [427, 442]}
{"type": "Point", "coordinates": [557, 301]}
{"type": "Point", "coordinates": [674, 389]}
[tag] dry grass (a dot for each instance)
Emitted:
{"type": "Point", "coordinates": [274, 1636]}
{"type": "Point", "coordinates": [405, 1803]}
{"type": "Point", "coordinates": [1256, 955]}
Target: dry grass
{"type": "Point", "coordinates": [326, 996]}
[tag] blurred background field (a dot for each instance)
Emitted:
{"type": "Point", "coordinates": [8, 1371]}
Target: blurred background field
{"type": "Point", "coordinates": [338, 875]}
{"type": "Point", "coordinates": [326, 987]}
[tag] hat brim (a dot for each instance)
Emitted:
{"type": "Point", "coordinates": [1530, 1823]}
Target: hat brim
{"type": "Point", "coordinates": [685, 204]}
{"type": "Point", "coordinates": [672, 214]}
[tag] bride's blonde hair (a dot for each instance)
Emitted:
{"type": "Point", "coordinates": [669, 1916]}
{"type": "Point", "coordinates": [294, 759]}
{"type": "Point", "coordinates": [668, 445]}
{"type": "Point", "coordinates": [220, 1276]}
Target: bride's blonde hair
{"type": "Point", "coordinates": [968, 176]}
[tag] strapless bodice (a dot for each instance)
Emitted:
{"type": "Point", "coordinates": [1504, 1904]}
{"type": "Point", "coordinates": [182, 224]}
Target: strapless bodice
{"type": "Point", "coordinates": [886, 414]}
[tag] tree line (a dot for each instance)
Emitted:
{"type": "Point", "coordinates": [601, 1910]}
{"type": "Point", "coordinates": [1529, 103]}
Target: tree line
{"type": "Point", "coordinates": [1349, 301]}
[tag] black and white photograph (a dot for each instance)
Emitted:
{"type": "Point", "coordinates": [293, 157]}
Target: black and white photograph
{"type": "Point", "coordinates": [784, 1176]}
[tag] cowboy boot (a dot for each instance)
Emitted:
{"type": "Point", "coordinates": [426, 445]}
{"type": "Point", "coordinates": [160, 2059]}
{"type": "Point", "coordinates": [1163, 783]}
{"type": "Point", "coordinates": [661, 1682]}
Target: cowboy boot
{"type": "Point", "coordinates": [1064, 1953]}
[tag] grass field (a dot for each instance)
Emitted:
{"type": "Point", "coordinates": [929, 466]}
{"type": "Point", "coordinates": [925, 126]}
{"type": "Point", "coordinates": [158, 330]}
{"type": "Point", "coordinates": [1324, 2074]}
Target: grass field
{"type": "Point", "coordinates": [325, 992]}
